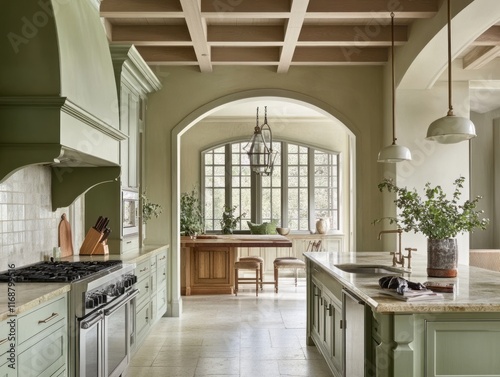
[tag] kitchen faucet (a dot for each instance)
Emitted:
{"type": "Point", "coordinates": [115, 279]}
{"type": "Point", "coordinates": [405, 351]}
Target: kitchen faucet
{"type": "Point", "coordinates": [397, 257]}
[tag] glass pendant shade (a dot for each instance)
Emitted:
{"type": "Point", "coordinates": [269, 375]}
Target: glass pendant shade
{"type": "Point", "coordinates": [451, 129]}
{"type": "Point", "coordinates": [394, 153]}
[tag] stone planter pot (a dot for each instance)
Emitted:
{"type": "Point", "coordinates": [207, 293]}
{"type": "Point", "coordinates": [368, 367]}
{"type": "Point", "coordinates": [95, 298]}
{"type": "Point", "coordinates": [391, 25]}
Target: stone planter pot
{"type": "Point", "coordinates": [442, 258]}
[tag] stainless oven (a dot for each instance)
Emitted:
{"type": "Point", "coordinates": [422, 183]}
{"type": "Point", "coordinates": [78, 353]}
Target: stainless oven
{"type": "Point", "coordinates": [104, 324]}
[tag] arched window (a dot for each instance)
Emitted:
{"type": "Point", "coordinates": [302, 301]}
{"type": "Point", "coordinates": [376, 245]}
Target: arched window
{"type": "Point", "coordinates": [303, 187]}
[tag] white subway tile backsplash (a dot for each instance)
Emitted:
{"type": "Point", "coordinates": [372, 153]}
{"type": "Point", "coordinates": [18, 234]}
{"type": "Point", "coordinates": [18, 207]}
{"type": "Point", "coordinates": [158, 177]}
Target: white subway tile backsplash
{"type": "Point", "coordinates": [28, 226]}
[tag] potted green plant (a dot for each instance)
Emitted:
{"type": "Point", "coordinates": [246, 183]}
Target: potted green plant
{"type": "Point", "coordinates": [149, 209]}
{"type": "Point", "coordinates": [439, 218]}
{"type": "Point", "coordinates": [229, 221]}
{"type": "Point", "coordinates": [191, 214]}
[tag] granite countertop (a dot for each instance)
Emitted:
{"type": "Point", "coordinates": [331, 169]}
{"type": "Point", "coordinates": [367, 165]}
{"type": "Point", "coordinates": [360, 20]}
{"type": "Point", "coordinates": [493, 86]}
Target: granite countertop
{"type": "Point", "coordinates": [476, 289]}
{"type": "Point", "coordinates": [29, 295]}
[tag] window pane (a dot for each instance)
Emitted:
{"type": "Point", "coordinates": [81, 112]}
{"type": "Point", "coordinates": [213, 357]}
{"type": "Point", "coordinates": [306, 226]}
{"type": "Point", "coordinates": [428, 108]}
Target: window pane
{"type": "Point", "coordinates": [324, 194]}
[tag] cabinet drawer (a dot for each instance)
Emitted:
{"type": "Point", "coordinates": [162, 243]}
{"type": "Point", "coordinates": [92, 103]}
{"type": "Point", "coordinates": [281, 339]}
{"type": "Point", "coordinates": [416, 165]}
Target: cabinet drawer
{"type": "Point", "coordinates": [142, 321]}
{"type": "Point", "coordinates": [161, 258]}
{"type": "Point", "coordinates": [153, 280]}
{"type": "Point", "coordinates": [144, 287]}
{"type": "Point", "coordinates": [161, 275]}
{"type": "Point", "coordinates": [41, 318]}
{"type": "Point", "coordinates": [329, 282]}
{"type": "Point", "coordinates": [143, 269]}
{"type": "Point", "coordinates": [46, 354]}
{"type": "Point", "coordinates": [161, 299]}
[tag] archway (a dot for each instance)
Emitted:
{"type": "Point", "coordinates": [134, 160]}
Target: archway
{"type": "Point", "coordinates": [237, 98]}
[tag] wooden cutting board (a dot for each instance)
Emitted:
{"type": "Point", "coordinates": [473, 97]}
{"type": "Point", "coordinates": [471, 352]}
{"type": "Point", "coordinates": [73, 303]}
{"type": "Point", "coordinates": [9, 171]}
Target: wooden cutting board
{"type": "Point", "coordinates": [65, 241]}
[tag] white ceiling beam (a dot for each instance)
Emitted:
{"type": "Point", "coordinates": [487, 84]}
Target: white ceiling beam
{"type": "Point", "coordinates": [198, 30]}
{"type": "Point", "coordinates": [292, 31]}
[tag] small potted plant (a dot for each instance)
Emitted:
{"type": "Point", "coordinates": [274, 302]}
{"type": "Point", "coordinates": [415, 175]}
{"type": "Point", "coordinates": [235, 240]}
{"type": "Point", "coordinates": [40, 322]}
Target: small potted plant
{"type": "Point", "coordinates": [191, 214]}
{"type": "Point", "coordinates": [439, 218]}
{"type": "Point", "coordinates": [149, 209]}
{"type": "Point", "coordinates": [229, 221]}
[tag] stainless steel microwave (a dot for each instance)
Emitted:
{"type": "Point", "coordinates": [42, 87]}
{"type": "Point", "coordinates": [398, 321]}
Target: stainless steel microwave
{"type": "Point", "coordinates": [130, 212]}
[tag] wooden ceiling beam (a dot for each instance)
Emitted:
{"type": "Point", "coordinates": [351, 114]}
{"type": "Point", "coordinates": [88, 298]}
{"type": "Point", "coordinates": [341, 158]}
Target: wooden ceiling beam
{"type": "Point", "coordinates": [254, 55]}
{"type": "Point", "coordinates": [228, 7]}
{"type": "Point", "coordinates": [245, 33]}
{"type": "Point", "coordinates": [176, 55]}
{"type": "Point", "coordinates": [371, 8]}
{"type": "Point", "coordinates": [140, 8]}
{"type": "Point", "coordinates": [151, 35]}
{"type": "Point", "coordinates": [353, 34]}
{"type": "Point", "coordinates": [480, 56]}
{"type": "Point", "coordinates": [490, 37]}
{"type": "Point", "coordinates": [351, 54]}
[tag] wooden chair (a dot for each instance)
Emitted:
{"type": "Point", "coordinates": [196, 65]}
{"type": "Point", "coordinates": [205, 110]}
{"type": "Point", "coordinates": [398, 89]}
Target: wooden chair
{"type": "Point", "coordinates": [247, 265]}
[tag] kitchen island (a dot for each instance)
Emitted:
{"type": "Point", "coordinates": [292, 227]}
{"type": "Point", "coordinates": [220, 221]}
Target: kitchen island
{"type": "Point", "coordinates": [207, 262]}
{"type": "Point", "coordinates": [362, 332]}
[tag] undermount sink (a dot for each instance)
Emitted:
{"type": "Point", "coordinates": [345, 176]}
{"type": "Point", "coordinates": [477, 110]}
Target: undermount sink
{"type": "Point", "coordinates": [370, 269]}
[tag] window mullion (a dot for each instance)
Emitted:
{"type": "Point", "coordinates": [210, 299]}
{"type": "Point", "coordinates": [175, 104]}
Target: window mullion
{"type": "Point", "coordinates": [310, 188]}
{"type": "Point", "coordinates": [284, 184]}
{"type": "Point", "coordinates": [228, 184]}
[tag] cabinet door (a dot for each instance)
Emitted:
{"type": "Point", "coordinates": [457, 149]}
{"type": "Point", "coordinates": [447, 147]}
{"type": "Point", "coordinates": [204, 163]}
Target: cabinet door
{"type": "Point", "coordinates": [333, 335]}
{"type": "Point", "coordinates": [211, 265]}
{"type": "Point", "coordinates": [462, 348]}
{"type": "Point", "coordinates": [316, 312]}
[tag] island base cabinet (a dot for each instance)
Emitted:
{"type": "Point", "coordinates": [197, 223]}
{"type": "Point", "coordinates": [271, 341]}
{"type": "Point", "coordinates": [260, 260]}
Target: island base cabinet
{"type": "Point", "coordinates": [326, 326]}
{"type": "Point", "coordinates": [462, 348]}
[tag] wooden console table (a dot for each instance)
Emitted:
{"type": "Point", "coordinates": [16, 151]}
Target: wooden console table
{"type": "Point", "coordinates": [208, 261]}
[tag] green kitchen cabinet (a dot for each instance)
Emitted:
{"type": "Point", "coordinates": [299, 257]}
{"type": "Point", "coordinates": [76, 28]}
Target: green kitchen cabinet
{"type": "Point", "coordinates": [42, 339]}
{"type": "Point", "coordinates": [326, 325]}
{"type": "Point", "coordinates": [5, 342]}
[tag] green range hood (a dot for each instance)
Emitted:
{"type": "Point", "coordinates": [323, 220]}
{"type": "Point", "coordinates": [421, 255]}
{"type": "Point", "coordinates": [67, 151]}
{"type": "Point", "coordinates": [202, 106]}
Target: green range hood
{"type": "Point", "coordinates": [58, 96]}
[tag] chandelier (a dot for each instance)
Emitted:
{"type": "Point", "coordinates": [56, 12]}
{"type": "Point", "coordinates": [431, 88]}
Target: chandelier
{"type": "Point", "coordinates": [260, 148]}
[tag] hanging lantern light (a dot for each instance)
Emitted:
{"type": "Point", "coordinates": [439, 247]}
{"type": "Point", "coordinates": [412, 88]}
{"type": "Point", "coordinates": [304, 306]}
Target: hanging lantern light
{"type": "Point", "coordinates": [260, 148]}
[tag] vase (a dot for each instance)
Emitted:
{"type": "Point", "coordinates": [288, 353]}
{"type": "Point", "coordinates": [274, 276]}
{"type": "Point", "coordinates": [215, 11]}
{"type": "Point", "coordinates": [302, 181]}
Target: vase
{"type": "Point", "coordinates": [322, 226]}
{"type": "Point", "coordinates": [442, 258]}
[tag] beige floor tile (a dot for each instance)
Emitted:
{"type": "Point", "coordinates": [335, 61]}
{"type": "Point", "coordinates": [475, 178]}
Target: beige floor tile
{"type": "Point", "coordinates": [225, 336]}
{"type": "Point", "coordinates": [217, 366]}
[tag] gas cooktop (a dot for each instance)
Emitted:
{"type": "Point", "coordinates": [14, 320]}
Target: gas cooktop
{"type": "Point", "coordinates": [58, 271]}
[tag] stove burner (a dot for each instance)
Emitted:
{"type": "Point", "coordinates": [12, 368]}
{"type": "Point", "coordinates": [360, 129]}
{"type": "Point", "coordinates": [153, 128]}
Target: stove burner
{"type": "Point", "coordinates": [57, 271]}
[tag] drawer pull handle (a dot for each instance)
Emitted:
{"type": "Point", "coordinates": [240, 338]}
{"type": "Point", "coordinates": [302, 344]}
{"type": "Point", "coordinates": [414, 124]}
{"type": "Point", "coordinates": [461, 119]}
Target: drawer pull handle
{"type": "Point", "coordinates": [54, 315]}
{"type": "Point", "coordinates": [163, 257]}
{"type": "Point", "coordinates": [3, 341]}
{"type": "Point", "coordinates": [144, 269]}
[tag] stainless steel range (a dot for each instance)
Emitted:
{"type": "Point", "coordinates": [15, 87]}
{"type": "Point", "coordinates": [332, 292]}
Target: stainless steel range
{"type": "Point", "coordinates": [101, 312]}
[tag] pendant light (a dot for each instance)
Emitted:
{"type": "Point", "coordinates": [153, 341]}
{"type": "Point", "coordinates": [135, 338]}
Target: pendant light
{"type": "Point", "coordinates": [260, 148]}
{"type": "Point", "coordinates": [451, 128]}
{"type": "Point", "coordinates": [393, 152]}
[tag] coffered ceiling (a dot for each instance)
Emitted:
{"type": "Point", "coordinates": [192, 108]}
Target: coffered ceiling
{"type": "Point", "coordinates": [276, 33]}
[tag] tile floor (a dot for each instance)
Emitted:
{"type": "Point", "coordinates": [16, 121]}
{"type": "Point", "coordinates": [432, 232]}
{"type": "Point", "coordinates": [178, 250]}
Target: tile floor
{"type": "Point", "coordinates": [241, 336]}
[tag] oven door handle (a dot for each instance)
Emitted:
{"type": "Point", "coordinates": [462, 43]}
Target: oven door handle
{"type": "Point", "coordinates": [88, 323]}
{"type": "Point", "coordinates": [128, 297]}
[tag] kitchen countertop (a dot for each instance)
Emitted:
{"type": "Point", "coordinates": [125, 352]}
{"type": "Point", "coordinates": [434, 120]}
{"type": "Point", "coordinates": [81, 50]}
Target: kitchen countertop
{"type": "Point", "coordinates": [30, 295]}
{"type": "Point", "coordinates": [476, 289]}
{"type": "Point", "coordinates": [237, 240]}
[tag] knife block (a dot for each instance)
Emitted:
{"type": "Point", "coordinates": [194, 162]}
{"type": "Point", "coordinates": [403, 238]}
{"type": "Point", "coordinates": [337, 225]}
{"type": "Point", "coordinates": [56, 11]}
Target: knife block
{"type": "Point", "coordinates": [90, 242]}
{"type": "Point", "coordinates": [101, 249]}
